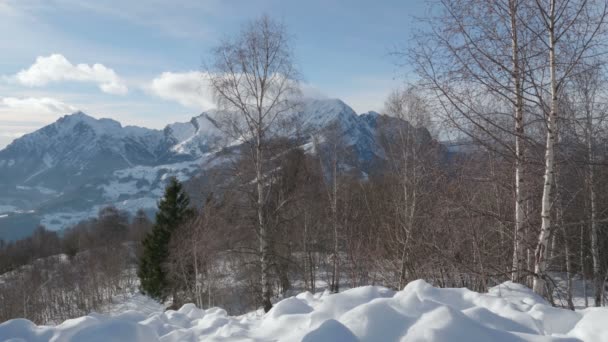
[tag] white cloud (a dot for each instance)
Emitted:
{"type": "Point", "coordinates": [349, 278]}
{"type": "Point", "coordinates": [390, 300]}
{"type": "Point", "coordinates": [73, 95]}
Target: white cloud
{"type": "Point", "coordinates": [310, 91]}
{"type": "Point", "coordinates": [188, 89]}
{"type": "Point", "coordinates": [39, 105]}
{"type": "Point", "coordinates": [22, 115]}
{"type": "Point", "coordinates": [7, 9]}
{"type": "Point", "coordinates": [13, 135]}
{"type": "Point", "coordinates": [56, 68]}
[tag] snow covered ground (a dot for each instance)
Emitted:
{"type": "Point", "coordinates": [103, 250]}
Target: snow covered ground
{"type": "Point", "coordinates": [133, 301]}
{"type": "Point", "coordinates": [420, 312]}
{"type": "Point", "coordinates": [581, 290]}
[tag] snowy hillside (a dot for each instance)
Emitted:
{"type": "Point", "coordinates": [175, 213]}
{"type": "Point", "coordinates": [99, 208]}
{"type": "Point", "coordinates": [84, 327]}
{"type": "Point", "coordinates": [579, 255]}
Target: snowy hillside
{"type": "Point", "coordinates": [65, 172]}
{"type": "Point", "coordinates": [509, 312]}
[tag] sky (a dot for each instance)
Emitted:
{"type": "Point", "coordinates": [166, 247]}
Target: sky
{"type": "Point", "coordinates": [139, 62]}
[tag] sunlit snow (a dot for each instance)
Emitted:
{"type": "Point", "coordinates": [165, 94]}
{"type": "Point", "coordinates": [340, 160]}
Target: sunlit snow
{"type": "Point", "coordinates": [420, 312]}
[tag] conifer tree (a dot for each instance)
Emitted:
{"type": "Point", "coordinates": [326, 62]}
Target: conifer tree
{"type": "Point", "coordinates": [173, 210]}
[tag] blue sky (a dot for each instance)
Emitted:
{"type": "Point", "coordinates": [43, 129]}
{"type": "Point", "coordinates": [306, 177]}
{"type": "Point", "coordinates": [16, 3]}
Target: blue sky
{"type": "Point", "coordinates": [138, 61]}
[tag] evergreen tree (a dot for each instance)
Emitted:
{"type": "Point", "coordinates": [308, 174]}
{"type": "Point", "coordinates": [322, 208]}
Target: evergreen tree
{"type": "Point", "coordinates": [173, 210]}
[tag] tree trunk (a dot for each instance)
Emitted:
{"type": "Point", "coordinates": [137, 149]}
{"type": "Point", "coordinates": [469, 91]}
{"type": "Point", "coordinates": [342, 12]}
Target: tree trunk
{"type": "Point", "coordinates": [568, 269]}
{"type": "Point", "coordinates": [582, 262]}
{"type": "Point", "coordinates": [263, 233]}
{"type": "Point", "coordinates": [307, 264]}
{"type": "Point", "coordinates": [595, 251]}
{"type": "Point", "coordinates": [335, 281]}
{"type": "Point", "coordinates": [540, 254]}
{"type": "Point", "coordinates": [519, 131]}
{"type": "Point", "coordinates": [404, 262]}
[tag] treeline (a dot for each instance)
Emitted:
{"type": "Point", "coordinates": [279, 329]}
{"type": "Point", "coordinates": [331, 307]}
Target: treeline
{"type": "Point", "coordinates": [50, 277]}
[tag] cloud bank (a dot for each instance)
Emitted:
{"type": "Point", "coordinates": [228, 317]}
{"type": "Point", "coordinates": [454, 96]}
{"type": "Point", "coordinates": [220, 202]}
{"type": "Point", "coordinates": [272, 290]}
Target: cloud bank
{"type": "Point", "coordinates": [186, 88]}
{"type": "Point", "coordinates": [41, 105]}
{"type": "Point", "coordinates": [21, 115]}
{"type": "Point", "coordinates": [57, 68]}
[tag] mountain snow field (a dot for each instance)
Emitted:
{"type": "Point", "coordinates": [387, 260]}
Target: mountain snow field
{"type": "Point", "coordinates": [420, 312]}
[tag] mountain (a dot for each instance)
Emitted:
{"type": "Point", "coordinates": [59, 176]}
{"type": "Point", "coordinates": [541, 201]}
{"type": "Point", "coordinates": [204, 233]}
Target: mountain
{"type": "Point", "coordinates": [66, 171]}
{"type": "Point", "coordinates": [79, 146]}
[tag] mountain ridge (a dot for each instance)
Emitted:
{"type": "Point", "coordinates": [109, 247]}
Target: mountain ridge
{"type": "Point", "coordinates": [66, 171]}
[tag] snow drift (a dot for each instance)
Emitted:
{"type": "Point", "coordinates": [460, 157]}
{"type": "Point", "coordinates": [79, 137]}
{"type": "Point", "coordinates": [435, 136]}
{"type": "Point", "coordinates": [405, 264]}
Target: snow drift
{"type": "Point", "coordinates": [420, 312]}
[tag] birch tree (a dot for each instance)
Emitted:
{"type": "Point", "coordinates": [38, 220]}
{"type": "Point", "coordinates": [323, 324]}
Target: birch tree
{"type": "Point", "coordinates": [332, 154]}
{"type": "Point", "coordinates": [589, 116]}
{"type": "Point", "coordinates": [404, 144]}
{"type": "Point", "coordinates": [254, 81]}
{"type": "Point", "coordinates": [474, 63]}
{"type": "Point", "coordinates": [569, 37]}
{"type": "Point", "coordinates": [519, 135]}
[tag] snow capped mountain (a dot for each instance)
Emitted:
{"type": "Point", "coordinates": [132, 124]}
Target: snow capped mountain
{"type": "Point", "coordinates": [77, 146]}
{"type": "Point", "coordinates": [68, 170]}
{"type": "Point", "coordinates": [316, 114]}
{"type": "Point", "coordinates": [196, 137]}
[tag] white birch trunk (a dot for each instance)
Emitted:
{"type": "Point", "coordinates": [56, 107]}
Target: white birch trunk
{"type": "Point", "coordinates": [263, 234]}
{"type": "Point", "coordinates": [595, 251]}
{"type": "Point", "coordinates": [540, 254]}
{"type": "Point", "coordinates": [335, 283]}
{"type": "Point", "coordinates": [568, 269]}
{"type": "Point", "coordinates": [519, 131]}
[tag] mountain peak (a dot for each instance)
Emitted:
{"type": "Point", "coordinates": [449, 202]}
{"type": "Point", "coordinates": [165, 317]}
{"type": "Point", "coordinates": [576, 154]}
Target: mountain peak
{"type": "Point", "coordinates": [82, 116]}
{"type": "Point", "coordinates": [79, 113]}
{"type": "Point", "coordinates": [100, 127]}
{"type": "Point", "coordinates": [77, 116]}
{"type": "Point", "coordinates": [328, 105]}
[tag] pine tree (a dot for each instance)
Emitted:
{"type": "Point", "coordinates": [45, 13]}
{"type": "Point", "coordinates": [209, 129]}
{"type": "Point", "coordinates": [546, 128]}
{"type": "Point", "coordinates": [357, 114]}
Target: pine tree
{"type": "Point", "coordinates": [173, 210]}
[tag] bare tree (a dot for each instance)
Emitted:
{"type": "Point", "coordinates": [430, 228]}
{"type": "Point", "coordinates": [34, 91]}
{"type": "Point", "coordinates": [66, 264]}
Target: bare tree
{"type": "Point", "coordinates": [587, 117]}
{"type": "Point", "coordinates": [474, 63]}
{"type": "Point", "coordinates": [405, 142]}
{"type": "Point", "coordinates": [254, 80]}
{"type": "Point", "coordinates": [485, 61]}
{"type": "Point", "coordinates": [331, 160]}
{"type": "Point", "coordinates": [569, 37]}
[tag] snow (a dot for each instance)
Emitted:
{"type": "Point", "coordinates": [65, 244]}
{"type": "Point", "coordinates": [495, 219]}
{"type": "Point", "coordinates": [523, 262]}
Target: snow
{"type": "Point", "coordinates": [318, 113]}
{"type": "Point", "coordinates": [115, 189]}
{"type": "Point", "coordinates": [150, 174]}
{"type": "Point", "coordinates": [40, 189]}
{"type": "Point", "coordinates": [101, 127]}
{"type": "Point", "coordinates": [181, 130]}
{"type": "Point", "coordinates": [48, 160]}
{"type": "Point", "coordinates": [580, 290]}
{"type": "Point", "coordinates": [132, 302]}
{"type": "Point", "coordinates": [133, 188]}
{"type": "Point", "coordinates": [45, 191]}
{"type": "Point", "coordinates": [7, 208]}
{"type": "Point", "coordinates": [61, 220]}
{"type": "Point", "coordinates": [196, 137]}
{"type": "Point", "coordinates": [420, 312]}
